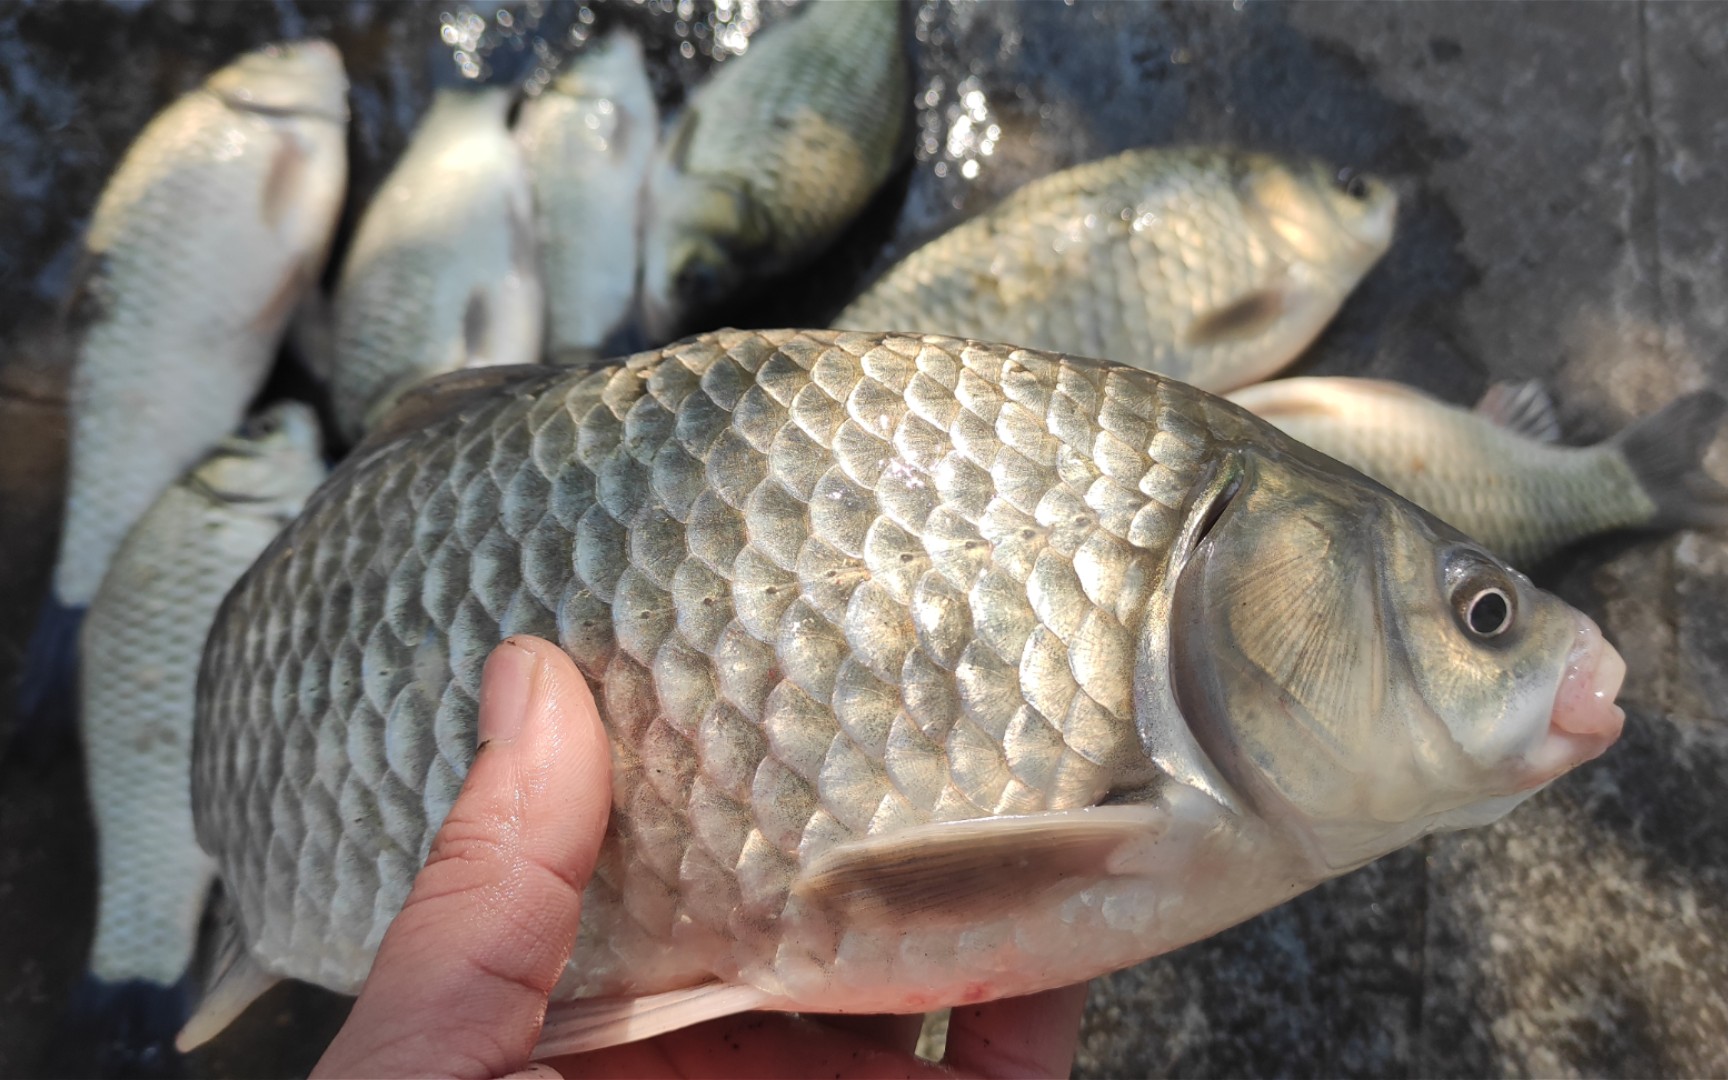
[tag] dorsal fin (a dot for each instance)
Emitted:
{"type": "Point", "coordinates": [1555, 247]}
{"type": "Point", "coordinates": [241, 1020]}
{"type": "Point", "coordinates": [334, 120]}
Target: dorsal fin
{"type": "Point", "coordinates": [1521, 407]}
{"type": "Point", "coordinates": [444, 396]}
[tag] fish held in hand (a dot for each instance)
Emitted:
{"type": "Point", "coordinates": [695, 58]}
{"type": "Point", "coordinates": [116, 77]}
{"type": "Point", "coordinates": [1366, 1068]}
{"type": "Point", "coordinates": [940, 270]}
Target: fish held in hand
{"type": "Point", "coordinates": [214, 225]}
{"type": "Point", "coordinates": [1498, 472]}
{"type": "Point", "coordinates": [443, 273]}
{"type": "Point", "coordinates": [588, 139]}
{"type": "Point", "coordinates": [935, 671]}
{"type": "Point", "coordinates": [772, 158]}
{"type": "Point", "coordinates": [1215, 267]}
{"type": "Point", "coordinates": [141, 644]}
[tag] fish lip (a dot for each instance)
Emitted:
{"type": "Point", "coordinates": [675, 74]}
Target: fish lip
{"type": "Point", "coordinates": [1585, 720]}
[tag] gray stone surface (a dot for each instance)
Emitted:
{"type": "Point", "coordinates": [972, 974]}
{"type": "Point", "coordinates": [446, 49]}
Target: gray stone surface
{"type": "Point", "coordinates": [1562, 167]}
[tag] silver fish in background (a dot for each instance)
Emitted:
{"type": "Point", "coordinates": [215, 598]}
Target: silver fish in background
{"type": "Point", "coordinates": [936, 671]}
{"type": "Point", "coordinates": [1498, 472]}
{"type": "Point", "coordinates": [216, 222]}
{"type": "Point", "coordinates": [141, 644]}
{"type": "Point", "coordinates": [442, 273]}
{"type": "Point", "coordinates": [588, 139]}
{"type": "Point", "coordinates": [772, 158]}
{"type": "Point", "coordinates": [1215, 267]}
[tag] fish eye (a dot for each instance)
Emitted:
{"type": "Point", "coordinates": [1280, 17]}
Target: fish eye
{"type": "Point", "coordinates": [261, 426]}
{"type": "Point", "coordinates": [1483, 598]}
{"type": "Point", "coordinates": [1351, 183]}
{"type": "Point", "coordinates": [1488, 613]}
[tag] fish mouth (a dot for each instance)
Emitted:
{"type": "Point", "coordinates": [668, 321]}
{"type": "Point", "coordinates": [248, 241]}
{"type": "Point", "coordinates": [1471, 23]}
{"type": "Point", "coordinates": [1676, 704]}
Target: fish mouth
{"type": "Point", "coordinates": [1585, 721]}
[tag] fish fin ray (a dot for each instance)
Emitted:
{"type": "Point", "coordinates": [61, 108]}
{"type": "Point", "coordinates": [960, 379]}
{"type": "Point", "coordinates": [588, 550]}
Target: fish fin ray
{"type": "Point", "coordinates": [228, 979]}
{"type": "Point", "coordinates": [1242, 318]}
{"type": "Point", "coordinates": [1666, 452]}
{"type": "Point", "coordinates": [978, 869]}
{"type": "Point", "coordinates": [575, 1027]}
{"type": "Point", "coordinates": [1523, 408]}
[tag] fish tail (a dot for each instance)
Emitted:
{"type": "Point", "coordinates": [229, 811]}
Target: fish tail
{"type": "Point", "coordinates": [121, 1029]}
{"type": "Point", "coordinates": [46, 690]}
{"type": "Point", "coordinates": [1666, 452]}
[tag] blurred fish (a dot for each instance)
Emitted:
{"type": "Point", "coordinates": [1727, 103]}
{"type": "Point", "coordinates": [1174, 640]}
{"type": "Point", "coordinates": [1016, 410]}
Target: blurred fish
{"type": "Point", "coordinates": [442, 274]}
{"type": "Point", "coordinates": [1214, 267]}
{"type": "Point", "coordinates": [588, 140]}
{"type": "Point", "coordinates": [1498, 473]}
{"type": "Point", "coordinates": [936, 671]}
{"type": "Point", "coordinates": [141, 644]}
{"type": "Point", "coordinates": [772, 158]}
{"type": "Point", "coordinates": [214, 225]}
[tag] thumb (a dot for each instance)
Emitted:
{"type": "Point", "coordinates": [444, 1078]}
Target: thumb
{"type": "Point", "coordinates": [460, 982]}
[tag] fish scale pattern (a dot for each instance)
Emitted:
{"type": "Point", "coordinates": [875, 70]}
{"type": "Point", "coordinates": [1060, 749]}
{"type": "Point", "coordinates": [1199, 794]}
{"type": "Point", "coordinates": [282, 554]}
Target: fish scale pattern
{"type": "Point", "coordinates": [148, 400]}
{"type": "Point", "coordinates": [1121, 258]}
{"type": "Point", "coordinates": [827, 586]}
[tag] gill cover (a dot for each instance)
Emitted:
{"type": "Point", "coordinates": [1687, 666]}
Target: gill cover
{"type": "Point", "coordinates": [1354, 668]}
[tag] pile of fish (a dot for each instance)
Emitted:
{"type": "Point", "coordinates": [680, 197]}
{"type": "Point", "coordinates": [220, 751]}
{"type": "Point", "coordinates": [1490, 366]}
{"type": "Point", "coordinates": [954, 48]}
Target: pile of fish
{"type": "Point", "coordinates": [937, 670]}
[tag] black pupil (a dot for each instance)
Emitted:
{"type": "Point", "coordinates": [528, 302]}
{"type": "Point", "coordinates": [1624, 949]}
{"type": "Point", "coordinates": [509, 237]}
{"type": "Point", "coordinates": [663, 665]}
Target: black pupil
{"type": "Point", "coordinates": [1488, 612]}
{"type": "Point", "coordinates": [1352, 184]}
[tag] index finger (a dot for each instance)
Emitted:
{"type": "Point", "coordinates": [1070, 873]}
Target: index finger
{"type": "Point", "coordinates": [460, 981]}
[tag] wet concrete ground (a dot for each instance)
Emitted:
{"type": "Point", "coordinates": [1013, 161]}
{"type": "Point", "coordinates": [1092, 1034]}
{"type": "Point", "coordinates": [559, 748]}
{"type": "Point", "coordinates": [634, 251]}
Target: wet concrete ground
{"type": "Point", "coordinates": [1563, 174]}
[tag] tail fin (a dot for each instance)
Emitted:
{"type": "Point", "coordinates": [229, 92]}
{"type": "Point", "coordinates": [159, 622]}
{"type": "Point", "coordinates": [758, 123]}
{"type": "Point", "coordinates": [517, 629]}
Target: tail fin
{"type": "Point", "coordinates": [1666, 452]}
{"type": "Point", "coordinates": [121, 1030]}
{"type": "Point", "coordinates": [46, 692]}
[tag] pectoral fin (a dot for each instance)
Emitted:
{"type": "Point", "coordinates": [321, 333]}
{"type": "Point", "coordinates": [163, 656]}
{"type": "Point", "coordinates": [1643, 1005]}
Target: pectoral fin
{"type": "Point", "coordinates": [1239, 320]}
{"type": "Point", "coordinates": [575, 1027]}
{"type": "Point", "coordinates": [981, 869]}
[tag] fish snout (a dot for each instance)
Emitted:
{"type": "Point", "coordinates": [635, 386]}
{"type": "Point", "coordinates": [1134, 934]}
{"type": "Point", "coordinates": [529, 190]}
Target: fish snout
{"type": "Point", "coordinates": [1585, 721]}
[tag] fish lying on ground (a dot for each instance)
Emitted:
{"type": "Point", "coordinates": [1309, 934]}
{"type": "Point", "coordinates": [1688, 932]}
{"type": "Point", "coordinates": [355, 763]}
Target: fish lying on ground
{"type": "Point", "coordinates": [141, 645]}
{"type": "Point", "coordinates": [772, 158]}
{"type": "Point", "coordinates": [935, 671]}
{"type": "Point", "coordinates": [1215, 267]}
{"type": "Point", "coordinates": [1498, 473]}
{"type": "Point", "coordinates": [588, 139]}
{"type": "Point", "coordinates": [442, 274]}
{"type": "Point", "coordinates": [214, 225]}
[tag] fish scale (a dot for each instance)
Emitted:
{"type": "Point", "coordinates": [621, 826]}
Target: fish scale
{"type": "Point", "coordinates": [1216, 267]}
{"type": "Point", "coordinates": [265, 180]}
{"type": "Point", "coordinates": [842, 638]}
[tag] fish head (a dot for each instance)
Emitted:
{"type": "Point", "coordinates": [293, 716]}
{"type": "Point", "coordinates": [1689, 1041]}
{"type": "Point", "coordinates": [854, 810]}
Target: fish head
{"type": "Point", "coordinates": [1336, 220]}
{"type": "Point", "coordinates": [271, 463]}
{"type": "Point", "coordinates": [300, 78]}
{"type": "Point", "coordinates": [1361, 673]}
{"type": "Point", "coordinates": [707, 237]}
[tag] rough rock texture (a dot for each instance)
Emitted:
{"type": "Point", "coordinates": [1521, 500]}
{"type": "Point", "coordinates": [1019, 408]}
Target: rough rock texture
{"type": "Point", "coordinates": [1562, 169]}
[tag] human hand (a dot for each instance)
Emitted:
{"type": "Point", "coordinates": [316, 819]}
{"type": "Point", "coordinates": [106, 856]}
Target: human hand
{"type": "Point", "coordinates": [461, 980]}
